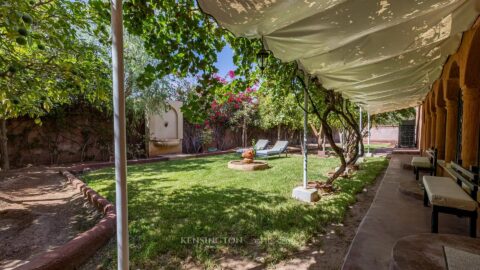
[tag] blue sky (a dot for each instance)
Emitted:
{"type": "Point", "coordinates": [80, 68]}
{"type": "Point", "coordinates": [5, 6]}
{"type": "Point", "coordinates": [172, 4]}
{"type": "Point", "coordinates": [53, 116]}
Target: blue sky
{"type": "Point", "coordinates": [225, 61]}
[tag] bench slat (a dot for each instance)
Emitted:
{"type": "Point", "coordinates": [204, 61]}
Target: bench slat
{"type": "Point", "coordinates": [464, 171]}
{"type": "Point", "coordinates": [458, 176]}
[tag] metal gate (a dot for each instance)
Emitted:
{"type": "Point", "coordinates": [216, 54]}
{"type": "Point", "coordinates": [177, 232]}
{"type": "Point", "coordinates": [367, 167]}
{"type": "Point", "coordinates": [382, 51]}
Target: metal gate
{"type": "Point", "coordinates": [406, 134]}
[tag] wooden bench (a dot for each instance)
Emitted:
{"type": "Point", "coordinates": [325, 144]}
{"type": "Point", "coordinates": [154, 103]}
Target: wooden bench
{"type": "Point", "coordinates": [448, 196]}
{"type": "Point", "coordinates": [427, 164]}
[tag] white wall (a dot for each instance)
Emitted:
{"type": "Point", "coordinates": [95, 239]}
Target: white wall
{"type": "Point", "coordinates": [167, 125]}
{"type": "Point", "coordinates": [384, 134]}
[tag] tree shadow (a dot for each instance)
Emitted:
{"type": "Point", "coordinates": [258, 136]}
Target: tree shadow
{"type": "Point", "coordinates": [204, 222]}
{"type": "Point", "coordinates": [170, 222]}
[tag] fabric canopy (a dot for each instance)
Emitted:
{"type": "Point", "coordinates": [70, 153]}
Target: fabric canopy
{"type": "Point", "coordinates": [384, 54]}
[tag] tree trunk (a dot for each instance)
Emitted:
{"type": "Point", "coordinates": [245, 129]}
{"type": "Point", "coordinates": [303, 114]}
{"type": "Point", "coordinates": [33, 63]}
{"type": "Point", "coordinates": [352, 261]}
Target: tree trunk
{"type": "Point", "coordinates": [147, 136]}
{"type": "Point", "coordinates": [328, 133]}
{"type": "Point", "coordinates": [4, 145]}
{"type": "Point", "coordinates": [351, 121]}
{"type": "Point", "coordinates": [320, 139]}
{"type": "Point", "coordinates": [323, 142]}
{"type": "Point", "coordinates": [279, 132]}
{"type": "Point", "coordinates": [320, 132]}
{"type": "Point", "coordinates": [244, 133]}
{"type": "Point", "coordinates": [336, 149]}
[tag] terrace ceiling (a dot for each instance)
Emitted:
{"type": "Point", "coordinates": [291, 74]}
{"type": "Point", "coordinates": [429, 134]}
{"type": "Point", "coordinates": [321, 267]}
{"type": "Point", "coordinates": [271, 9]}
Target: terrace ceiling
{"type": "Point", "coordinates": [383, 54]}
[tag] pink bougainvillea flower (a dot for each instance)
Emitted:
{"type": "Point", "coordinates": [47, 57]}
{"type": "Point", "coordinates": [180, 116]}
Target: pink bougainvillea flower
{"type": "Point", "coordinates": [219, 79]}
{"type": "Point", "coordinates": [231, 74]}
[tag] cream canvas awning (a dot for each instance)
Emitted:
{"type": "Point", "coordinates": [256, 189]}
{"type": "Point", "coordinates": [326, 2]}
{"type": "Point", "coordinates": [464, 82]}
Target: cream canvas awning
{"type": "Point", "coordinates": [382, 54]}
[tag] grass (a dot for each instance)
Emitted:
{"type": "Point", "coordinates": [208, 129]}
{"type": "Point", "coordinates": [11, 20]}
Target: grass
{"type": "Point", "coordinates": [177, 207]}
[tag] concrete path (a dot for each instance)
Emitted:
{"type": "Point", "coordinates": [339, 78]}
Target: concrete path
{"type": "Point", "coordinates": [392, 216]}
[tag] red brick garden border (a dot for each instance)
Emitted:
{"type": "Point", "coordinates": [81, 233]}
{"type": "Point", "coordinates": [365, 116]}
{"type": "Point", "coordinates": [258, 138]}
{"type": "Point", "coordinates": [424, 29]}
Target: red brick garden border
{"type": "Point", "coordinates": [76, 251]}
{"type": "Point", "coordinates": [79, 168]}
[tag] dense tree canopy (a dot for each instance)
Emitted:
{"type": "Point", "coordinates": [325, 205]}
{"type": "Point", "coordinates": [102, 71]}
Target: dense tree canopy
{"type": "Point", "coordinates": [57, 52]}
{"type": "Point", "coordinates": [44, 60]}
{"type": "Point", "coordinates": [47, 59]}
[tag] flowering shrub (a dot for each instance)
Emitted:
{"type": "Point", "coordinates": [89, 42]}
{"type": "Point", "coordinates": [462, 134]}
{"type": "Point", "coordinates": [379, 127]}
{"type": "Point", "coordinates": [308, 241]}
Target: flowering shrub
{"type": "Point", "coordinates": [221, 111]}
{"type": "Point", "coordinates": [224, 109]}
{"type": "Point", "coordinates": [226, 104]}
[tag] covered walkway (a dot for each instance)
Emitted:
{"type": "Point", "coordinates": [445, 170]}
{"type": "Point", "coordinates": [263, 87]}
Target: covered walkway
{"type": "Point", "coordinates": [394, 215]}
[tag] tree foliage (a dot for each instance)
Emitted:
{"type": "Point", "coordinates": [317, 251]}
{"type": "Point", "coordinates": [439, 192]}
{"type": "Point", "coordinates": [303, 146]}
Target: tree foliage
{"type": "Point", "coordinates": [278, 107]}
{"type": "Point", "coordinates": [44, 61]}
{"type": "Point", "coordinates": [393, 118]}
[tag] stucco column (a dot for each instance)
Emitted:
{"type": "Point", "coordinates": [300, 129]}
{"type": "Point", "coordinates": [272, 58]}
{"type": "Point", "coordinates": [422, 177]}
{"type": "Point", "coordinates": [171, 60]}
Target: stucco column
{"type": "Point", "coordinates": [433, 120]}
{"type": "Point", "coordinates": [451, 91]}
{"type": "Point", "coordinates": [422, 128]}
{"type": "Point", "coordinates": [440, 123]}
{"type": "Point", "coordinates": [470, 125]}
{"type": "Point", "coordinates": [427, 122]}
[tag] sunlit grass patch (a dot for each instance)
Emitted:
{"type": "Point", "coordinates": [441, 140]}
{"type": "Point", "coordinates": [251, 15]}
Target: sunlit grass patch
{"type": "Point", "coordinates": [200, 209]}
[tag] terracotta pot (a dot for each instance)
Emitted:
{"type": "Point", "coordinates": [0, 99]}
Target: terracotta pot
{"type": "Point", "coordinates": [248, 154]}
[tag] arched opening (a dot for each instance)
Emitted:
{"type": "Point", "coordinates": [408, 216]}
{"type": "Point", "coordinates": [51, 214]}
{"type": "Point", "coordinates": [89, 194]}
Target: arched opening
{"type": "Point", "coordinates": [454, 71]}
{"type": "Point", "coordinates": [433, 120]}
{"type": "Point", "coordinates": [441, 119]}
{"type": "Point", "coordinates": [454, 74]}
{"type": "Point", "coordinates": [472, 62]}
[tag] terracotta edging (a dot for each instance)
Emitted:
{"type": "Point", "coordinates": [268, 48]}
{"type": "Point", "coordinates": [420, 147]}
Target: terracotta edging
{"type": "Point", "coordinates": [76, 251]}
{"type": "Point", "coordinates": [79, 168]}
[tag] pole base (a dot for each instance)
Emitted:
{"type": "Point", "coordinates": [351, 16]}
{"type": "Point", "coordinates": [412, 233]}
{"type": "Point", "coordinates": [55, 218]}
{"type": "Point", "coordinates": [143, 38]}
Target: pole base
{"type": "Point", "coordinates": [305, 194]}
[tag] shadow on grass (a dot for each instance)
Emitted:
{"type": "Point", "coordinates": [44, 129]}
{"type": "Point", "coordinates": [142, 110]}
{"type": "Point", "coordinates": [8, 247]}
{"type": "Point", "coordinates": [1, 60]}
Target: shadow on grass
{"type": "Point", "coordinates": [172, 166]}
{"type": "Point", "coordinates": [170, 222]}
{"type": "Point", "coordinates": [204, 221]}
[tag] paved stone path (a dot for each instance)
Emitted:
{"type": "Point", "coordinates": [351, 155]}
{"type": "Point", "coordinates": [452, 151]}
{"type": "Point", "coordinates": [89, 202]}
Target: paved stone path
{"type": "Point", "coordinates": [392, 216]}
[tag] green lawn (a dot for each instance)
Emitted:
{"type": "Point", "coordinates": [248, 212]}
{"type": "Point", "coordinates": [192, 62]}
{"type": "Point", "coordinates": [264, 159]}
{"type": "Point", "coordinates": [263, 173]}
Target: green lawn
{"type": "Point", "coordinates": [173, 203]}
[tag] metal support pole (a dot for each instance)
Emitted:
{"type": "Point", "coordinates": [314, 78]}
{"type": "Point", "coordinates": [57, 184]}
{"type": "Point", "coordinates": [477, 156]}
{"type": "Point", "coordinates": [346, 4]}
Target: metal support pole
{"type": "Point", "coordinates": [120, 135]}
{"type": "Point", "coordinates": [360, 127]}
{"type": "Point", "coordinates": [305, 130]}
{"type": "Point", "coordinates": [368, 130]}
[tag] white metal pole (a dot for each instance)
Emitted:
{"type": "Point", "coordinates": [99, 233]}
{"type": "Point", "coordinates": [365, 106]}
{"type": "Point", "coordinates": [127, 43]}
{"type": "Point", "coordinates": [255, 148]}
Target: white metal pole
{"type": "Point", "coordinates": [305, 130]}
{"type": "Point", "coordinates": [368, 130]}
{"type": "Point", "coordinates": [360, 126]}
{"type": "Point", "coordinates": [120, 135]}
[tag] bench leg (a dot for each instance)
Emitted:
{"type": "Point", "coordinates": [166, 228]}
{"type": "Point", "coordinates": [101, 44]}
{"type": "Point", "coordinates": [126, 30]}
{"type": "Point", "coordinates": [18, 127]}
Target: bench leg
{"type": "Point", "coordinates": [425, 198]}
{"type": "Point", "coordinates": [434, 219]}
{"type": "Point", "coordinates": [473, 224]}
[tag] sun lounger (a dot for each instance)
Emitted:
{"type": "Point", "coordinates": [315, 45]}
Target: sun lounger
{"type": "Point", "coordinates": [260, 145]}
{"type": "Point", "coordinates": [279, 148]}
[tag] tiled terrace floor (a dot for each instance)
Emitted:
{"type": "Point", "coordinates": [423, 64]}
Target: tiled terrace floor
{"type": "Point", "coordinates": [392, 216]}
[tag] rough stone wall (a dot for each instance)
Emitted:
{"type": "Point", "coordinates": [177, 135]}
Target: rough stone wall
{"type": "Point", "coordinates": [71, 137]}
